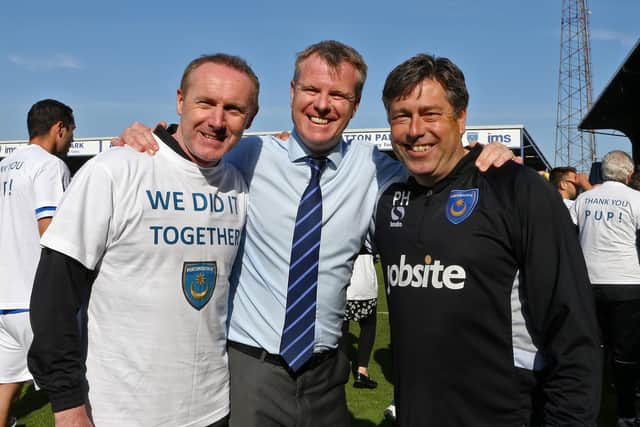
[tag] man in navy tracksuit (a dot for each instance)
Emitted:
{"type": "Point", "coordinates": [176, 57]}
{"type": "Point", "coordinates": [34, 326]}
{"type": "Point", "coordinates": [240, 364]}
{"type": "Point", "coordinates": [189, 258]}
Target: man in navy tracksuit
{"type": "Point", "coordinates": [492, 317]}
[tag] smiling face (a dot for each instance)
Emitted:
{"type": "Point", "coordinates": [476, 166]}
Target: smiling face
{"type": "Point", "coordinates": [323, 101]}
{"type": "Point", "coordinates": [216, 106]}
{"type": "Point", "coordinates": [425, 132]}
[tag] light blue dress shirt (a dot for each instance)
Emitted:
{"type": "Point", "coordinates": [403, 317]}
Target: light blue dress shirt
{"type": "Point", "coordinates": [277, 176]}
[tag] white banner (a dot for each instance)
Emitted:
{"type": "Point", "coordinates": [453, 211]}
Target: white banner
{"type": "Point", "coordinates": [6, 149]}
{"type": "Point", "coordinates": [81, 147]}
{"type": "Point", "coordinates": [512, 138]}
{"type": "Point", "coordinates": [380, 138]}
{"type": "Point", "coordinates": [87, 148]}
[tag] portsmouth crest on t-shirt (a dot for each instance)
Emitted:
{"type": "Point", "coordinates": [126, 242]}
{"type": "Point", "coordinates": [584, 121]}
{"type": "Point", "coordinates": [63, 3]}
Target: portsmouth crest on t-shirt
{"type": "Point", "coordinates": [198, 282]}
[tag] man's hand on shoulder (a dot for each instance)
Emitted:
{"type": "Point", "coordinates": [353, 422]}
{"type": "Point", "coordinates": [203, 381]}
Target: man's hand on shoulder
{"type": "Point", "coordinates": [139, 137]}
{"type": "Point", "coordinates": [73, 417]}
{"type": "Point", "coordinates": [283, 135]}
{"type": "Point", "coordinates": [494, 154]}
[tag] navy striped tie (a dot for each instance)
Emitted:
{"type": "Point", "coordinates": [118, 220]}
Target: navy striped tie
{"type": "Point", "coordinates": [296, 345]}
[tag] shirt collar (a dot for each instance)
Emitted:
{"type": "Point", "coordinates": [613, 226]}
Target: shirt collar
{"type": "Point", "coordinates": [298, 151]}
{"type": "Point", "coordinates": [166, 135]}
{"type": "Point", "coordinates": [464, 164]}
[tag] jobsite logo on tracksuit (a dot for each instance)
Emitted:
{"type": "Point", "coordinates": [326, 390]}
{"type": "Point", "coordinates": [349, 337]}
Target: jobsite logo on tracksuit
{"type": "Point", "coordinates": [430, 274]}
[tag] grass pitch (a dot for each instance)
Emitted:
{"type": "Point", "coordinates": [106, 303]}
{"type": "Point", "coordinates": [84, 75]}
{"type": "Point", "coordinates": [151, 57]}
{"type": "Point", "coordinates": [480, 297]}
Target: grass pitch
{"type": "Point", "coordinates": [366, 406]}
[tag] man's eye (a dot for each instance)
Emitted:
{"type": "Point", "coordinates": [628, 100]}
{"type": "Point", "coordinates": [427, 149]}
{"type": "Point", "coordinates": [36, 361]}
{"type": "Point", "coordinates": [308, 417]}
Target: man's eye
{"type": "Point", "coordinates": [399, 118]}
{"type": "Point", "coordinates": [432, 116]}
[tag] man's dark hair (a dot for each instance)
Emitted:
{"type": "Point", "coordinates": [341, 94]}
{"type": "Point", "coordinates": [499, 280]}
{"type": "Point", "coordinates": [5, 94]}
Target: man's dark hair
{"type": "Point", "coordinates": [230, 61]}
{"type": "Point", "coordinates": [335, 53]}
{"type": "Point", "coordinates": [408, 75]}
{"type": "Point", "coordinates": [634, 181]}
{"type": "Point", "coordinates": [557, 175]}
{"type": "Point", "coordinates": [46, 113]}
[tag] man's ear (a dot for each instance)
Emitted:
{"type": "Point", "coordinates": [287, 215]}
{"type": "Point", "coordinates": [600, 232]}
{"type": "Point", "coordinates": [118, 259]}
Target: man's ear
{"type": "Point", "coordinates": [462, 121]}
{"type": "Point", "coordinates": [57, 129]}
{"type": "Point", "coordinates": [251, 117]}
{"type": "Point", "coordinates": [292, 91]}
{"type": "Point", "coordinates": [179, 101]}
{"type": "Point", "coordinates": [355, 108]}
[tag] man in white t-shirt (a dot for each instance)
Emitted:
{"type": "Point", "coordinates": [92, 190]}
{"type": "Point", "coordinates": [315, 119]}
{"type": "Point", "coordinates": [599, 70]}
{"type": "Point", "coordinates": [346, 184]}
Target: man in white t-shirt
{"type": "Point", "coordinates": [149, 242]}
{"type": "Point", "coordinates": [32, 180]}
{"type": "Point", "coordinates": [608, 217]}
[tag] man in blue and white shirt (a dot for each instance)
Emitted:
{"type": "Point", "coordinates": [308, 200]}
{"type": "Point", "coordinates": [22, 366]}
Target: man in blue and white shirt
{"type": "Point", "coordinates": [32, 180]}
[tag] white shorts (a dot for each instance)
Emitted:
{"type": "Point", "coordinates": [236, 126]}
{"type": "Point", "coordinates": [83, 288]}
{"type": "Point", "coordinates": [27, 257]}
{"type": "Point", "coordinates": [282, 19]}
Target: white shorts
{"type": "Point", "coordinates": [15, 340]}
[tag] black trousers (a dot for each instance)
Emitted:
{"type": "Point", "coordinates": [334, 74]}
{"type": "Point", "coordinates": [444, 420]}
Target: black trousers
{"type": "Point", "coordinates": [366, 339]}
{"type": "Point", "coordinates": [265, 394]}
{"type": "Point", "coordinates": [620, 326]}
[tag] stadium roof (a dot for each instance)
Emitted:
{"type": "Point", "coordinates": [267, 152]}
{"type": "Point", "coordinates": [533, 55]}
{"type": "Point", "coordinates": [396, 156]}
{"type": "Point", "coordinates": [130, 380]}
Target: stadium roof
{"type": "Point", "coordinates": [618, 106]}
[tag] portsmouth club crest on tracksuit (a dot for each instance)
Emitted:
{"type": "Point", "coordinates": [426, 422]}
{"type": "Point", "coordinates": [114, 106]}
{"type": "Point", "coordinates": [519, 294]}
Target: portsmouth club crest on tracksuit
{"type": "Point", "coordinates": [461, 204]}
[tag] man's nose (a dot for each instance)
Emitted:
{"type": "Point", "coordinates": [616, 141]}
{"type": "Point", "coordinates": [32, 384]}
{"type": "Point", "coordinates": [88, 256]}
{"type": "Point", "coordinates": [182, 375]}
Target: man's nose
{"type": "Point", "coordinates": [216, 117]}
{"type": "Point", "coordinates": [322, 103]}
{"type": "Point", "coordinates": [416, 130]}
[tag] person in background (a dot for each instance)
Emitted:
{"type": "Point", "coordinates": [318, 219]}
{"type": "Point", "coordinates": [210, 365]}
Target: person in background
{"type": "Point", "coordinates": [634, 181]}
{"type": "Point", "coordinates": [608, 218]}
{"type": "Point", "coordinates": [32, 180]}
{"type": "Point", "coordinates": [568, 182]}
{"type": "Point", "coordinates": [362, 301]}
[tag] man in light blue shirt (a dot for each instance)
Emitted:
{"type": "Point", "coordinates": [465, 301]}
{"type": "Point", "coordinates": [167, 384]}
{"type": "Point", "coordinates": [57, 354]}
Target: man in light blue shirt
{"type": "Point", "coordinates": [325, 94]}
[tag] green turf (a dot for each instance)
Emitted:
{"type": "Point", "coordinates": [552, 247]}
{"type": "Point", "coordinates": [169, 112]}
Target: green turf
{"type": "Point", "coordinates": [33, 408]}
{"type": "Point", "coordinates": [366, 406]}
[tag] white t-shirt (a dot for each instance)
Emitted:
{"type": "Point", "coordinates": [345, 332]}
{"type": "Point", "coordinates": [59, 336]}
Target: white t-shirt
{"type": "Point", "coordinates": [162, 235]}
{"type": "Point", "coordinates": [569, 203]}
{"type": "Point", "coordinates": [608, 217]}
{"type": "Point", "coordinates": [364, 283]}
{"type": "Point", "coordinates": [31, 184]}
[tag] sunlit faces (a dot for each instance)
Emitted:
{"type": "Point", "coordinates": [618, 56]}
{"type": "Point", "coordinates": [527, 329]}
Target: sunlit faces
{"type": "Point", "coordinates": [323, 100]}
{"type": "Point", "coordinates": [215, 108]}
{"type": "Point", "coordinates": [426, 133]}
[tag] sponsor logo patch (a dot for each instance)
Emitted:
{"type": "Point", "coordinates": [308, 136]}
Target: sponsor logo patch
{"type": "Point", "coordinates": [399, 202]}
{"type": "Point", "coordinates": [430, 274]}
{"type": "Point", "coordinates": [397, 215]}
{"type": "Point", "coordinates": [461, 204]}
{"type": "Point", "coordinates": [198, 282]}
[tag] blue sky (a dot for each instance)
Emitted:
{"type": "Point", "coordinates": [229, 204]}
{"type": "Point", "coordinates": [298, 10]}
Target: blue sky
{"type": "Point", "coordinates": [119, 61]}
